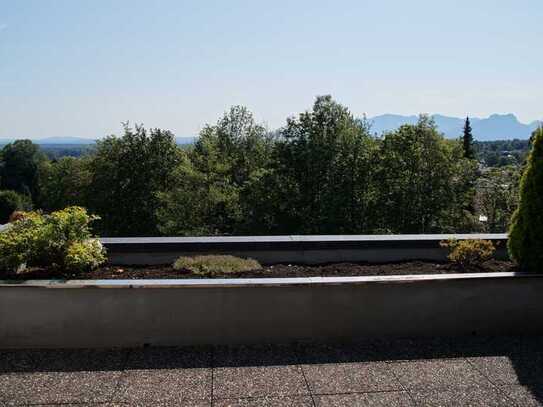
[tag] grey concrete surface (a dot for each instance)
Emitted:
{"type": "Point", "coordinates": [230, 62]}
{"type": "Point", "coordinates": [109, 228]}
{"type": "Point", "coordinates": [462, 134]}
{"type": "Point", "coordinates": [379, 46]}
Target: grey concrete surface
{"type": "Point", "coordinates": [311, 249]}
{"type": "Point", "coordinates": [104, 313]}
{"type": "Point", "coordinates": [442, 372]}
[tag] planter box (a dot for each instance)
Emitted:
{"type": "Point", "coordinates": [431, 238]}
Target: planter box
{"type": "Point", "coordinates": [292, 249]}
{"type": "Point", "coordinates": [103, 313]}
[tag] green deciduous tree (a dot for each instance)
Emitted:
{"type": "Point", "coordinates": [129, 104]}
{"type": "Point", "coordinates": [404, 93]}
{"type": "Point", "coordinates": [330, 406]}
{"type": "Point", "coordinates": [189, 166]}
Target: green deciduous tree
{"type": "Point", "coordinates": [497, 197]}
{"type": "Point", "coordinates": [19, 163]}
{"type": "Point", "coordinates": [424, 182]}
{"type": "Point", "coordinates": [208, 196]}
{"type": "Point", "coordinates": [127, 174]}
{"type": "Point", "coordinates": [322, 173]}
{"type": "Point", "coordinates": [64, 183]}
{"type": "Point", "coordinates": [526, 232]}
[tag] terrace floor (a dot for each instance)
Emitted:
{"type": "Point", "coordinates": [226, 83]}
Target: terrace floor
{"type": "Point", "coordinates": [478, 371]}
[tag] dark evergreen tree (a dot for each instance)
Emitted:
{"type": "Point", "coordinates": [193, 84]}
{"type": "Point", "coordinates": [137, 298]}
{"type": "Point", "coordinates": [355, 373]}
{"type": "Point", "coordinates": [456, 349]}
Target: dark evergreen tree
{"type": "Point", "coordinates": [467, 139]}
{"type": "Point", "coordinates": [10, 201]}
{"type": "Point", "coordinates": [526, 232]}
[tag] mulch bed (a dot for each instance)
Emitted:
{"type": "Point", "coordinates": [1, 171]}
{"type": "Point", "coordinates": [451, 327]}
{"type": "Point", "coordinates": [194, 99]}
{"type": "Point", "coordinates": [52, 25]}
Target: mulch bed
{"type": "Point", "coordinates": [278, 270]}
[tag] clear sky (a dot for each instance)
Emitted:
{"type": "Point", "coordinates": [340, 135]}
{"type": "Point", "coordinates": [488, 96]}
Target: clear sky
{"type": "Point", "coordinates": [80, 68]}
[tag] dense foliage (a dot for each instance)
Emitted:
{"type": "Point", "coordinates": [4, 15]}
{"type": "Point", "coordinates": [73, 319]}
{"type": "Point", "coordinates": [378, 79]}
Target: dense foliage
{"type": "Point", "coordinates": [502, 153]}
{"type": "Point", "coordinates": [60, 241]}
{"type": "Point", "coordinates": [324, 172]}
{"type": "Point", "coordinates": [125, 176]}
{"type": "Point", "coordinates": [10, 201]}
{"type": "Point", "coordinates": [19, 165]}
{"type": "Point", "coordinates": [526, 233]}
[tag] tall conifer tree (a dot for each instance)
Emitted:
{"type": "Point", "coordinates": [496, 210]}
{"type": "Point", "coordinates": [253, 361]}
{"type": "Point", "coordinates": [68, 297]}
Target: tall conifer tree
{"type": "Point", "coordinates": [526, 233]}
{"type": "Point", "coordinates": [467, 139]}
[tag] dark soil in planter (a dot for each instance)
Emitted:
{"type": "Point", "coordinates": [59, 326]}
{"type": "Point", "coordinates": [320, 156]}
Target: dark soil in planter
{"type": "Point", "coordinates": [278, 270]}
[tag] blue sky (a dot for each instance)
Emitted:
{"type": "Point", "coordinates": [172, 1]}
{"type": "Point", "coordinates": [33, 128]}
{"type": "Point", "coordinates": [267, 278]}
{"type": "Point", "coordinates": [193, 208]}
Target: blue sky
{"type": "Point", "coordinates": [80, 68]}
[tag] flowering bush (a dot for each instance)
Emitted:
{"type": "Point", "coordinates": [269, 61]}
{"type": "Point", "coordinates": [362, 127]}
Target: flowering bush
{"type": "Point", "coordinates": [469, 253]}
{"type": "Point", "coordinates": [61, 241]}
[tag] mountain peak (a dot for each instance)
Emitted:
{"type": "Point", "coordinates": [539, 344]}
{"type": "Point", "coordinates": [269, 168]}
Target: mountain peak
{"type": "Point", "coordinates": [495, 127]}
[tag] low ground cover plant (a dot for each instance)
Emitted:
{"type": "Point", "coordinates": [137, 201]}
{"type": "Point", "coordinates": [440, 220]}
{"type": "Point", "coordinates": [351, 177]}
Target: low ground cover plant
{"type": "Point", "coordinates": [61, 241]}
{"type": "Point", "coordinates": [469, 253]}
{"type": "Point", "coordinates": [215, 264]}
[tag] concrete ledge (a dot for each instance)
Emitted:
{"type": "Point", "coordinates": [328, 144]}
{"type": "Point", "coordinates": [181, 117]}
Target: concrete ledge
{"type": "Point", "coordinates": [83, 313]}
{"type": "Point", "coordinates": [291, 249]}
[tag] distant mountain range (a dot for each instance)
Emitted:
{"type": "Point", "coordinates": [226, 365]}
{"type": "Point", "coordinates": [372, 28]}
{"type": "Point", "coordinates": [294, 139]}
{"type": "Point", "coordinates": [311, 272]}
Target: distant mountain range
{"type": "Point", "coordinates": [494, 127]}
{"type": "Point", "coordinates": [78, 141]}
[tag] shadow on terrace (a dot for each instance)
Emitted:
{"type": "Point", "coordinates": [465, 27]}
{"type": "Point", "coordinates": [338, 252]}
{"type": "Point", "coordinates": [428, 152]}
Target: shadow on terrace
{"type": "Point", "coordinates": [440, 371]}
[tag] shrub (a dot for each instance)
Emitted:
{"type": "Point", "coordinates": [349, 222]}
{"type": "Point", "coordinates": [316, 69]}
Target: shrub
{"type": "Point", "coordinates": [469, 253]}
{"type": "Point", "coordinates": [61, 241]}
{"type": "Point", "coordinates": [525, 242]}
{"type": "Point", "coordinates": [85, 255]}
{"type": "Point", "coordinates": [10, 201]}
{"type": "Point", "coordinates": [214, 264]}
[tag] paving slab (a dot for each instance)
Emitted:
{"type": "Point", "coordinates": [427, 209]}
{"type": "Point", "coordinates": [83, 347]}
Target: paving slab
{"type": "Point", "coordinates": [525, 396]}
{"type": "Point", "coordinates": [17, 361]}
{"type": "Point", "coordinates": [58, 387]}
{"type": "Point", "coordinates": [166, 375]}
{"type": "Point", "coordinates": [79, 360]}
{"type": "Point", "coordinates": [503, 370]}
{"type": "Point", "coordinates": [475, 396]}
{"type": "Point", "coordinates": [386, 399]}
{"type": "Point", "coordinates": [285, 401]}
{"type": "Point", "coordinates": [350, 377]}
{"type": "Point", "coordinates": [254, 381]}
{"type": "Point", "coordinates": [164, 385]}
{"type": "Point", "coordinates": [437, 374]}
{"type": "Point", "coordinates": [169, 358]}
{"type": "Point", "coordinates": [257, 371]}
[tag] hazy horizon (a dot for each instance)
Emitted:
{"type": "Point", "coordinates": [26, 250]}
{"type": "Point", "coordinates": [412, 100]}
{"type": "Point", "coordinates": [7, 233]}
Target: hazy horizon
{"type": "Point", "coordinates": [74, 69]}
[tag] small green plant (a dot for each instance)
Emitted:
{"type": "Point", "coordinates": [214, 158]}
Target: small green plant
{"type": "Point", "coordinates": [214, 264]}
{"type": "Point", "coordinates": [469, 253]}
{"type": "Point", "coordinates": [60, 241]}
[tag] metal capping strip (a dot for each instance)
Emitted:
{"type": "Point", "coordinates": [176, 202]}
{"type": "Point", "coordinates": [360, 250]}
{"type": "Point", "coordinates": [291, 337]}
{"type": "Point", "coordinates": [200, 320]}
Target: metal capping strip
{"type": "Point", "coordinates": [292, 242]}
{"type": "Point", "coordinates": [258, 282]}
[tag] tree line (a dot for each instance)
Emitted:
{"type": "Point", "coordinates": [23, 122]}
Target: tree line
{"type": "Point", "coordinates": [322, 173]}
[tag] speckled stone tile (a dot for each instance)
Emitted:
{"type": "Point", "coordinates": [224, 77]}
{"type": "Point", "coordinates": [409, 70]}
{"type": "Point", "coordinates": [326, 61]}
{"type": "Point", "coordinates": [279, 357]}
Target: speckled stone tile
{"type": "Point", "coordinates": [169, 358]}
{"type": "Point", "coordinates": [525, 396]}
{"type": "Point", "coordinates": [84, 360]}
{"type": "Point", "coordinates": [321, 353]}
{"type": "Point", "coordinates": [474, 396]}
{"type": "Point", "coordinates": [58, 387]}
{"type": "Point", "coordinates": [350, 377]}
{"type": "Point", "coordinates": [478, 346]}
{"type": "Point", "coordinates": [17, 361]}
{"type": "Point", "coordinates": [165, 385]}
{"type": "Point", "coordinates": [253, 381]}
{"type": "Point", "coordinates": [286, 401]}
{"type": "Point", "coordinates": [185, 403]}
{"type": "Point", "coordinates": [257, 371]}
{"type": "Point", "coordinates": [502, 370]}
{"type": "Point", "coordinates": [386, 399]}
{"type": "Point", "coordinates": [82, 405]}
{"type": "Point", "coordinates": [255, 355]}
{"type": "Point", "coordinates": [435, 374]}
